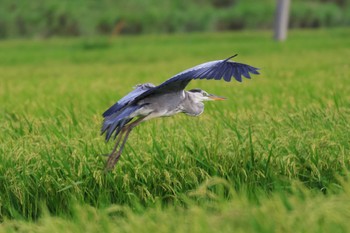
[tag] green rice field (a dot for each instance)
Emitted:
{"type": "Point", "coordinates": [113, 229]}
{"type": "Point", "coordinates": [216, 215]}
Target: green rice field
{"type": "Point", "coordinates": [273, 157]}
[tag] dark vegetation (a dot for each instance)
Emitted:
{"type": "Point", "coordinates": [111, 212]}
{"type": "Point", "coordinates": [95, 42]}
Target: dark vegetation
{"type": "Point", "coordinates": [75, 18]}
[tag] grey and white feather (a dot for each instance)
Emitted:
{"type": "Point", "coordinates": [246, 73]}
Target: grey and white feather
{"type": "Point", "coordinates": [148, 101]}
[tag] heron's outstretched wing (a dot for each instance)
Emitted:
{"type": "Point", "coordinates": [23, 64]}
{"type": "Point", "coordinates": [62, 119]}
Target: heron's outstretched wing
{"type": "Point", "coordinates": [139, 89]}
{"type": "Point", "coordinates": [221, 69]}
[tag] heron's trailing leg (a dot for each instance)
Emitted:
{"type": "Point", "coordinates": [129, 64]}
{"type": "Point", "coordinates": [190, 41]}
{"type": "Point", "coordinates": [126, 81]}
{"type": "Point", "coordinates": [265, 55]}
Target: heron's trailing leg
{"type": "Point", "coordinates": [118, 141]}
{"type": "Point", "coordinates": [114, 156]}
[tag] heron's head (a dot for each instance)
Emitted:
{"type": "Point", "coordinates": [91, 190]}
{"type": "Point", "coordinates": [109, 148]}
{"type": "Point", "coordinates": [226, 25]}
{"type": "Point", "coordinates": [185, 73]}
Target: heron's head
{"type": "Point", "coordinates": [201, 95]}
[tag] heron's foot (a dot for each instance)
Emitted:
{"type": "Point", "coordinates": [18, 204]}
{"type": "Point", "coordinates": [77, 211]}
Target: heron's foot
{"type": "Point", "coordinates": [112, 160]}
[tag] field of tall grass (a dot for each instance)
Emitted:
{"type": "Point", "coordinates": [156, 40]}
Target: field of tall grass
{"type": "Point", "coordinates": [274, 157]}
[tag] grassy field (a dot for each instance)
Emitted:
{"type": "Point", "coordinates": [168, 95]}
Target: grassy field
{"type": "Point", "coordinates": [274, 157]}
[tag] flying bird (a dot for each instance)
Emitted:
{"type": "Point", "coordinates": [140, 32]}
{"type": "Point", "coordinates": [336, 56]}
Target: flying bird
{"type": "Point", "coordinates": [148, 101]}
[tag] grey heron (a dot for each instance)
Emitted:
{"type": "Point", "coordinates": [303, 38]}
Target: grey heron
{"type": "Point", "coordinates": [148, 101]}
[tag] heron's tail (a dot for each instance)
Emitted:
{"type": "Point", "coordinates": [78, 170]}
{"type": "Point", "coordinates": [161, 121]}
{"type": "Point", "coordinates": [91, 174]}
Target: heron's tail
{"type": "Point", "coordinates": [116, 121]}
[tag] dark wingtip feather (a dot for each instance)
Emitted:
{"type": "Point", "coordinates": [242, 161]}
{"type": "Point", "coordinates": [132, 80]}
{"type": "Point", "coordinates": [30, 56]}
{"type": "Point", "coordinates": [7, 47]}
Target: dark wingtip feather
{"type": "Point", "coordinates": [253, 70]}
{"type": "Point", "coordinates": [231, 57]}
{"type": "Point", "coordinates": [110, 131]}
{"type": "Point", "coordinates": [238, 78]}
{"type": "Point", "coordinates": [104, 128]}
{"type": "Point", "coordinates": [111, 110]}
{"type": "Point", "coordinates": [117, 121]}
{"type": "Point", "coordinates": [227, 74]}
{"type": "Point", "coordinates": [121, 125]}
{"type": "Point", "coordinates": [245, 71]}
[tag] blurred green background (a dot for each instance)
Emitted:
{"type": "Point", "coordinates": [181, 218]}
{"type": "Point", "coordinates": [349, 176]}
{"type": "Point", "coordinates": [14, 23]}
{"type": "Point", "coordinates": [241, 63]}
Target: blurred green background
{"type": "Point", "coordinates": [91, 17]}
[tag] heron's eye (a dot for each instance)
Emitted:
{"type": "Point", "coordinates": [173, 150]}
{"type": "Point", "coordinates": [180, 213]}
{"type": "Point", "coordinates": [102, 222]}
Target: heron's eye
{"type": "Point", "coordinates": [204, 93]}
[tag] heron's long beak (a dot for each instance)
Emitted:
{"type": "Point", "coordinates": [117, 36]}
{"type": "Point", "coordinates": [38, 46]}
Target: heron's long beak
{"type": "Point", "coordinates": [215, 97]}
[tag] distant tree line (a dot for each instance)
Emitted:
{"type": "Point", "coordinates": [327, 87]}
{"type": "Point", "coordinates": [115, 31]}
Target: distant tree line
{"type": "Point", "coordinates": [42, 18]}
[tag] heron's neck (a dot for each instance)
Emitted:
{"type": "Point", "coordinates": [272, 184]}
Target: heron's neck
{"type": "Point", "coordinates": [192, 105]}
